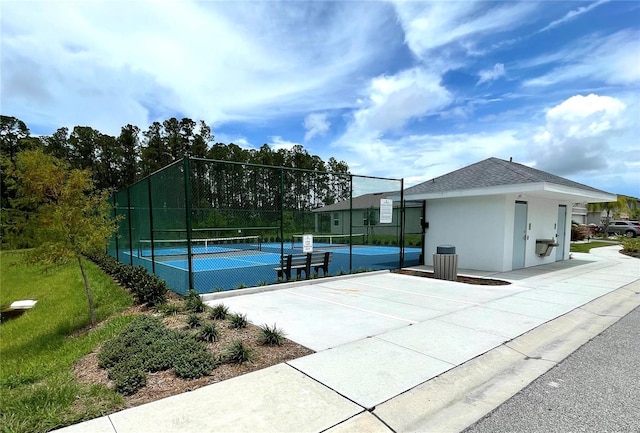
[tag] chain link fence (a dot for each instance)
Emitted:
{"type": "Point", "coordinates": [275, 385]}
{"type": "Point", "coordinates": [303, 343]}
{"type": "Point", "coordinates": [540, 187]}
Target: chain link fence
{"type": "Point", "coordinates": [216, 225]}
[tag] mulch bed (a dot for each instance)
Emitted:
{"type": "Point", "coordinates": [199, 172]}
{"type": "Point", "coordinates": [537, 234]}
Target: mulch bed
{"type": "Point", "coordinates": [634, 254]}
{"type": "Point", "coordinates": [467, 280]}
{"type": "Point", "coordinates": [166, 383]}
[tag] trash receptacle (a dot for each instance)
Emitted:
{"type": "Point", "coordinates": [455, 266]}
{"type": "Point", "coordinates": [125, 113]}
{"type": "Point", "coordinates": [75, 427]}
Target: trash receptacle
{"type": "Point", "coordinates": [445, 263]}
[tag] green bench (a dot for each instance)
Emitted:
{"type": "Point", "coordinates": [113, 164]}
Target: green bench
{"type": "Point", "coordinates": [304, 262]}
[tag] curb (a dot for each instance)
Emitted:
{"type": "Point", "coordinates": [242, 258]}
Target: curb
{"type": "Point", "coordinates": [465, 394]}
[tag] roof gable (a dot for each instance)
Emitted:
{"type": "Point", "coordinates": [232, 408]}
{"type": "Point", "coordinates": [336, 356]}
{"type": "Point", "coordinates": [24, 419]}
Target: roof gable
{"type": "Point", "coordinates": [365, 201]}
{"type": "Point", "coordinates": [493, 172]}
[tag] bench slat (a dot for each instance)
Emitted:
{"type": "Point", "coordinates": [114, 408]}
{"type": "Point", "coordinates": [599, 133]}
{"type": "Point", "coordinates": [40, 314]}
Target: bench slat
{"type": "Point", "coordinates": [304, 262]}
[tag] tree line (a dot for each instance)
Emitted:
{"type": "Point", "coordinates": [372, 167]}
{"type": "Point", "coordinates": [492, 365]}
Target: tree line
{"type": "Point", "coordinates": [118, 161]}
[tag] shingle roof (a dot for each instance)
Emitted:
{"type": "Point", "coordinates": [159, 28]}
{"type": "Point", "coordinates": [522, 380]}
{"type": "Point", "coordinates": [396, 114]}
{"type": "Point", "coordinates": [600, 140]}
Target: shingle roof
{"type": "Point", "coordinates": [492, 172]}
{"type": "Point", "coordinates": [361, 202]}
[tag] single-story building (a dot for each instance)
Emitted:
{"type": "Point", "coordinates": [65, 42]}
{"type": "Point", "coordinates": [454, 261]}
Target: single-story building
{"type": "Point", "coordinates": [500, 215]}
{"type": "Point", "coordinates": [365, 211]}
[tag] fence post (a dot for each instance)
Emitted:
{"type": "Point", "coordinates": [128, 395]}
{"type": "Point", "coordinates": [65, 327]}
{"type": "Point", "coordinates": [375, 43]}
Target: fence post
{"type": "Point", "coordinates": [187, 208]}
{"type": "Point", "coordinates": [350, 223]}
{"type": "Point", "coordinates": [402, 216]}
{"type": "Point", "coordinates": [129, 224]}
{"type": "Point", "coordinates": [281, 216]}
{"type": "Point", "coordinates": [115, 218]}
{"type": "Point", "coordinates": [153, 257]}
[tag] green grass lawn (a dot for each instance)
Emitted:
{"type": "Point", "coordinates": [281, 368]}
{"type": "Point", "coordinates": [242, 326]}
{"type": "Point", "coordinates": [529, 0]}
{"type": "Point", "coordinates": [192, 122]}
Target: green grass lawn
{"type": "Point", "coordinates": [584, 248]}
{"type": "Point", "coordinates": [37, 390]}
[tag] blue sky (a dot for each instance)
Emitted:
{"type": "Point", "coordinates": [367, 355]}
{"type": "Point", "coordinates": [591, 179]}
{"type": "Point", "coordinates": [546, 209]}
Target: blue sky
{"type": "Point", "coordinates": [402, 89]}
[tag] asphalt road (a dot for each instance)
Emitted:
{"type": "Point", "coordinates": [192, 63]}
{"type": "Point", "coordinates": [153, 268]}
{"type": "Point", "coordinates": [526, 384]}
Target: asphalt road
{"type": "Point", "coordinates": [595, 389]}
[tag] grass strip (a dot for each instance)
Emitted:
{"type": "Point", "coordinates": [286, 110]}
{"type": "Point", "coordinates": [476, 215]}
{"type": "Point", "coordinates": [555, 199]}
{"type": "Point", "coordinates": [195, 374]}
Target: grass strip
{"type": "Point", "coordinates": [37, 390]}
{"type": "Point", "coordinates": [585, 247]}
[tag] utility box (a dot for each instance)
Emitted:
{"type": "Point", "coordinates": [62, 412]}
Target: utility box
{"type": "Point", "coordinates": [445, 263]}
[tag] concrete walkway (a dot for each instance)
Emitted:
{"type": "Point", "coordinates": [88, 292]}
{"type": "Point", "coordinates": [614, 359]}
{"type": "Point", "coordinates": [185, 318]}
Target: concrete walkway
{"type": "Point", "coordinates": [400, 353]}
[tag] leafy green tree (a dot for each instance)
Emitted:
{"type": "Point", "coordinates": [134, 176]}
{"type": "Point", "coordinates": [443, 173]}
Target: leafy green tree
{"type": "Point", "coordinates": [57, 144]}
{"type": "Point", "coordinates": [201, 141]}
{"type": "Point", "coordinates": [175, 141]}
{"type": "Point", "coordinates": [155, 153]}
{"type": "Point", "coordinates": [84, 145]}
{"type": "Point", "coordinates": [613, 209]}
{"type": "Point", "coordinates": [339, 186]}
{"type": "Point", "coordinates": [129, 155]}
{"type": "Point", "coordinates": [14, 137]}
{"type": "Point", "coordinates": [68, 216]}
{"type": "Point", "coordinates": [107, 169]}
{"type": "Point", "coordinates": [12, 131]}
{"type": "Point", "coordinates": [634, 213]}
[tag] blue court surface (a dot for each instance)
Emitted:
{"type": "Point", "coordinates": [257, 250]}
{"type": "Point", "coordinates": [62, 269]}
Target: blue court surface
{"type": "Point", "coordinates": [220, 262]}
{"type": "Point", "coordinates": [222, 268]}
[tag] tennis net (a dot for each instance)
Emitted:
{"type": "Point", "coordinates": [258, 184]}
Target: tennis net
{"type": "Point", "coordinates": [326, 240]}
{"type": "Point", "coordinates": [180, 247]}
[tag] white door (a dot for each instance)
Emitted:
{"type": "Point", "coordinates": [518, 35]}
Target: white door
{"type": "Point", "coordinates": [561, 233]}
{"type": "Point", "coordinates": [519, 235]}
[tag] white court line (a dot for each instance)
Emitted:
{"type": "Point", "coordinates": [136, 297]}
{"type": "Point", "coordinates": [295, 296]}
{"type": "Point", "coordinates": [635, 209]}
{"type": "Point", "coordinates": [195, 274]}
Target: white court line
{"type": "Point", "coordinates": [355, 308]}
{"type": "Point", "coordinates": [235, 259]}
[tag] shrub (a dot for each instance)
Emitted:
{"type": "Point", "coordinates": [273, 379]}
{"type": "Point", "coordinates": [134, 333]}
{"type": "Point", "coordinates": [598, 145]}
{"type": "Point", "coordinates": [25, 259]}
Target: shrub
{"type": "Point", "coordinates": [579, 232]}
{"type": "Point", "coordinates": [194, 361]}
{"type": "Point", "coordinates": [193, 321]}
{"type": "Point", "coordinates": [208, 333]}
{"type": "Point", "coordinates": [193, 302]}
{"type": "Point", "coordinates": [147, 345]}
{"type": "Point", "coordinates": [146, 288]}
{"type": "Point", "coordinates": [271, 336]}
{"type": "Point", "coordinates": [219, 312]}
{"type": "Point", "coordinates": [160, 356]}
{"type": "Point", "coordinates": [237, 321]}
{"type": "Point", "coordinates": [168, 309]}
{"type": "Point", "coordinates": [128, 378]}
{"type": "Point", "coordinates": [237, 353]}
{"type": "Point", "coordinates": [150, 289]}
{"type": "Point", "coordinates": [631, 245]}
{"type": "Point", "coordinates": [142, 332]}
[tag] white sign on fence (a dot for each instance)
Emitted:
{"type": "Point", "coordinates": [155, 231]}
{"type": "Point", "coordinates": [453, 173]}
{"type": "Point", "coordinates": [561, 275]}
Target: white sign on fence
{"type": "Point", "coordinates": [386, 210]}
{"type": "Point", "coordinates": [307, 243]}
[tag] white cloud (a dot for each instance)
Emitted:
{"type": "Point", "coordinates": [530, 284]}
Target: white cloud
{"type": "Point", "coordinates": [586, 116]}
{"type": "Point", "coordinates": [579, 134]}
{"type": "Point", "coordinates": [492, 74]}
{"type": "Point", "coordinates": [315, 124]}
{"type": "Point", "coordinates": [278, 143]}
{"type": "Point", "coordinates": [239, 140]}
{"type": "Point", "coordinates": [431, 25]}
{"type": "Point", "coordinates": [394, 100]}
{"type": "Point", "coordinates": [143, 60]}
{"type": "Point", "coordinates": [572, 14]}
{"type": "Point", "coordinates": [391, 102]}
{"type": "Point", "coordinates": [419, 157]}
{"type": "Point", "coordinates": [612, 59]}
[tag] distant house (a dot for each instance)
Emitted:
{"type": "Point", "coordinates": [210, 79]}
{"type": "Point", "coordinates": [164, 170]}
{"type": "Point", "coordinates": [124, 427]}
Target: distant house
{"type": "Point", "coordinates": [501, 215]}
{"type": "Point", "coordinates": [600, 216]}
{"type": "Point", "coordinates": [579, 213]}
{"type": "Point", "coordinates": [365, 211]}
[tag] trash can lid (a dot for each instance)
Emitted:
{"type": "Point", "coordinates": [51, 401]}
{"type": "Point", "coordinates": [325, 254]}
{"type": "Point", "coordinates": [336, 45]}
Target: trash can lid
{"type": "Point", "coordinates": [445, 249]}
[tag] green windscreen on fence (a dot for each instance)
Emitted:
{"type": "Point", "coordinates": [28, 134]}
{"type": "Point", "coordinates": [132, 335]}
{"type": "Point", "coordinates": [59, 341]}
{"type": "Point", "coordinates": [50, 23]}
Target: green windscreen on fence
{"type": "Point", "coordinates": [217, 225]}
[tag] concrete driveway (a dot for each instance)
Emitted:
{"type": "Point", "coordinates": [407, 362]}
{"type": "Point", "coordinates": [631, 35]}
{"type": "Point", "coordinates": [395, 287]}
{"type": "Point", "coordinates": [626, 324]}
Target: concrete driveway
{"type": "Point", "coordinates": [380, 334]}
{"type": "Point", "coordinates": [396, 353]}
